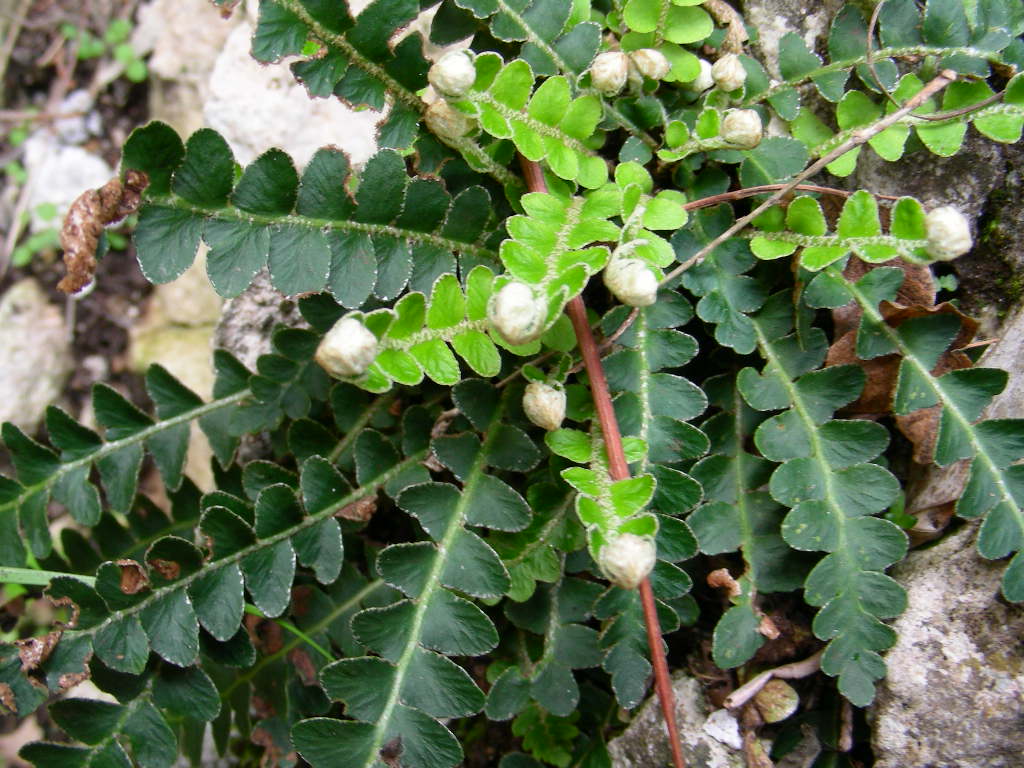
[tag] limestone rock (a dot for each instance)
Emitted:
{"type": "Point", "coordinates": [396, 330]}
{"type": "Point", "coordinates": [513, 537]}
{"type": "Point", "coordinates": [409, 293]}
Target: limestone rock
{"type": "Point", "coordinates": [35, 355]}
{"type": "Point", "coordinates": [248, 320]}
{"type": "Point", "coordinates": [186, 353]}
{"type": "Point", "coordinates": [189, 300]}
{"type": "Point", "coordinates": [258, 106]}
{"type": "Point", "coordinates": [81, 121]}
{"type": "Point", "coordinates": [774, 18]}
{"type": "Point", "coordinates": [176, 331]}
{"type": "Point", "coordinates": [184, 38]}
{"type": "Point", "coordinates": [644, 744]}
{"type": "Point", "coordinates": [954, 691]}
{"type": "Point", "coordinates": [964, 180]}
{"type": "Point", "coordinates": [58, 173]}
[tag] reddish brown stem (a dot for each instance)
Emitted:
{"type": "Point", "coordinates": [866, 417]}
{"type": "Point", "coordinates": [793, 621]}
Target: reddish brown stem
{"type": "Point", "coordinates": [617, 466]}
{"type": "Point", "coordinates": [738, 194]}
{"type": "Point", "coordinates": [618, 469]}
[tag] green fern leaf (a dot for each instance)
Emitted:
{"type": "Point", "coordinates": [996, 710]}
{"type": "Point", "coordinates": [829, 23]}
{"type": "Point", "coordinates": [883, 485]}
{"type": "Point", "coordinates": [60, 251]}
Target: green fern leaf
{"type": "Point", "coordinates": [311, 235]}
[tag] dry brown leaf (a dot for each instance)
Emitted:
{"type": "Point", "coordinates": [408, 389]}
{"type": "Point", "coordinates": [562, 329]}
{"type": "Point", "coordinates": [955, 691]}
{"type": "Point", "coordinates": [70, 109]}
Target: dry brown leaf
{"type": "Point", "coordinates": [133, 577]}
{"type": "Point", "coordinates": [168, 569]}
{"type": "Point", "coordinates": [303, 665]}
{"type": "Point", "coordinates": [721, 578]}
{"type": "Point", "coordinates": [84, 223]}
{"type": "Point", "coordinates": [273, 754]}
{"type": "Point", "coordinates": [33, 651]}
{"type": "Point", "coordinates": [360, 511]}
{"type": "Point", "coordinates": [916, 298]}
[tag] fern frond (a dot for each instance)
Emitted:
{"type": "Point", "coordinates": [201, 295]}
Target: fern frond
{"type": "Point", "coordinates": [312, 233]}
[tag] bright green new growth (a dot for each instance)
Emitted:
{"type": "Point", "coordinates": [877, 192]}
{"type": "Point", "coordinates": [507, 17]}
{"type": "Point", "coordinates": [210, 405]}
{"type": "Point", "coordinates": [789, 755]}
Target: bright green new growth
{"type": "Point", "coordinates": [368, 536]}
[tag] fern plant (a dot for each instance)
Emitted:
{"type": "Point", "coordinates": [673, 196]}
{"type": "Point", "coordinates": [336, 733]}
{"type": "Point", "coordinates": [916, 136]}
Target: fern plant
{"type": "Point", "coordinates": [472, 512]}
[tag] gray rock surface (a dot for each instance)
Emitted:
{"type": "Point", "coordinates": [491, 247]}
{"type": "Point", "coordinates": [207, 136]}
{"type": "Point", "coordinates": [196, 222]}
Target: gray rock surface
{"type": "Point", "coordinates": [964, 180]}
{"type": "Point", "coordinates": [954, 692]}
{"type": "Point", "coordinates": [35, 355]}
{"type": "Point", "coordinates": [256, 107]}
{"type": "Point", "coordinates": [58, 173]}
{"type": "Point", "coordinates": [184, 38]}
{"type": "Point", "coordinates": [644, 744]}
{"type": "Point", "coordinates": [176, 331]}
{"type": "Point", "coordinates": [774, 18]}
{"type": "Point", "coordinates": [992, 274]}
{"type": "Point", "coordinates": [248, 320]}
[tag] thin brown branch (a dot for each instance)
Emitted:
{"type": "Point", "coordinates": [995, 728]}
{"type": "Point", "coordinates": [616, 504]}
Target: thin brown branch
{"type": "Point", "coordinates": [739, 194]}
{"type": "Point", "coordinates": [16, 22]}
{"type": "Point", "coordinates": [869, 54]}
{"type": "Point", "coordinates": [869, 59]}
{"type": "Point", "coordinates": [617, 466]}
{"type": "Point", "coordinates": [793, 671]}
{"type": "Point", "coordinates": [706, 202]}
{"type": "Point", "coordinates": [728, 17]}
{"type": "Point", "coordinates": [618, 469]}
{"type": "Point", "coordinates": [858, 138]}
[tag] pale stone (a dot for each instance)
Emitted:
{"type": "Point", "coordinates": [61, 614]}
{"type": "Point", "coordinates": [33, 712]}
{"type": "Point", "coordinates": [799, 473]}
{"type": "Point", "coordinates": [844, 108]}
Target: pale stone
{"type": "Point", "coordinates": [35, 354]}
{"type": "Point", "coordinates": [176, 331]}
{"type": "Point", "coordinates": [184, 39]}
{"type": "Point", "coordinates": [58, 174]}
{"type": "Point", "coordinates": [722, 726]}
{"type": "Point", "coordinates": [774, 18]}
{"type": "Point", "coordinates": [258, 106]}
{"type": "Point", "coordinates": [185, 351]}
{"type": "Point", "coordinates": [190, 300]}
{"type": "Point", "coordinates": [953, 694]}
{"type": "Point", "coordinates": [644, 744]}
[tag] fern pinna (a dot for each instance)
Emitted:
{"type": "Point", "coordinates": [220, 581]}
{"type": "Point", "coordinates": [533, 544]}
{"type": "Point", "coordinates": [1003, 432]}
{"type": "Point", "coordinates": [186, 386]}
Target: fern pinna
{"type": "Point", "coordinates": [469, 515]}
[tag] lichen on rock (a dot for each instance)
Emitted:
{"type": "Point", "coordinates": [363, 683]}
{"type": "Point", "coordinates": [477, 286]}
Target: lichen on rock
{"type": "Point", "coordinates": [954, 691]}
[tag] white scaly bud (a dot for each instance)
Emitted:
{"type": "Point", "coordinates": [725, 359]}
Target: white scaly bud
{"type": "Point", "coordinates": [627, 559]}
{"type": "Point", "coordinates": [651, 63]}
{"type": "Point", "coordinates": [453, 74]}
{"type": "Point", "coordinates": [704, 80]}
{"type": "Point", "coordinates": [949, 233]}
{"type": "Point", "coordinates": [742, 127]}
{"type": "Point", "coordinates": [729, 73]}
{"type": "Point", "coordinates": [632, 282]}
{"type": "Point", "coordinates": [517, 313]}
{"type": "Point", "coordinates": [446, 122]}
{"type": "Point", "coordinates": [347, 349]}
{"type": "Point", "coordinates": [544, 405]}
{"type": "Point", "coordinates": [609, 71]}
